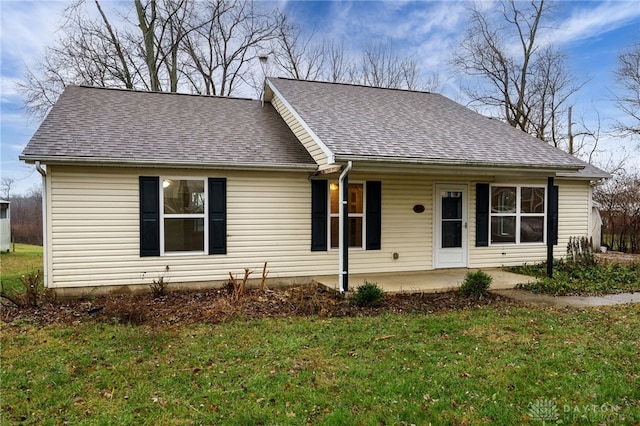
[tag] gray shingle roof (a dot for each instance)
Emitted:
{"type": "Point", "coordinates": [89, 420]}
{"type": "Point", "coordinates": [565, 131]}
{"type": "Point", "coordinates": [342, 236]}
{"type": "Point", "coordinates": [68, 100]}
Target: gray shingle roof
{"type": "Point", "coordinates": [393, 124]}
{"type": "Point", "coordinates": [95, 124]}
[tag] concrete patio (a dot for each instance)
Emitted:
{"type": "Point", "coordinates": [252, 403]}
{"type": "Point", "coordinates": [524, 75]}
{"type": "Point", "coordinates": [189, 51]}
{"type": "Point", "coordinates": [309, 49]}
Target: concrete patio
{"type": "Point", "coordinates": [439, 280]}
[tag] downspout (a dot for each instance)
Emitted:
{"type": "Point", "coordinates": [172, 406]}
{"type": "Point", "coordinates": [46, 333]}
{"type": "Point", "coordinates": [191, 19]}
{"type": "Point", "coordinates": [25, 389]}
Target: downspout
{"type": "Point", "coordinates": [552, 224]}
{"type": "Point", "coordinates": [343, 227]}
{"type": "Point", "coordinates": [45, 254]}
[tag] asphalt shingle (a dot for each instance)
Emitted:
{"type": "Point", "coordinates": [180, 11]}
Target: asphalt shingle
{"type": "Point", "coordinates": [371, 122]}
{"type": "Point", "coordinates": [97, 124]}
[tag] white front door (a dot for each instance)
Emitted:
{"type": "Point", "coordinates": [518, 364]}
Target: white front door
{"type": "Point", "coordinates": [451, 228]}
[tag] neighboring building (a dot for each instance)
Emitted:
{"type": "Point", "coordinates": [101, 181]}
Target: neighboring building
{"type": "Point", "coordinates": [5, 225]}
{"type": "Point", "coordinates": [137, 181]}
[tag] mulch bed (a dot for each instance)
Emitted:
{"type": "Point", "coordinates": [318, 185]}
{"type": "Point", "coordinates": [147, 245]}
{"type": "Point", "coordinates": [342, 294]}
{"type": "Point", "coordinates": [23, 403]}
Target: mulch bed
{"type": "Point", "coordinates": [215, 306]}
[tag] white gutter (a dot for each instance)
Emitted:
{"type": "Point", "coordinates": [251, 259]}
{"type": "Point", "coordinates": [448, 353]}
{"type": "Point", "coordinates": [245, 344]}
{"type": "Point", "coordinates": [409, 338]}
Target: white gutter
{"type": "Point", "coordinates": [45, 266]}
{"type": "Point", "coordinates": [376, 160]}
{"type": "Point", "coordinates": [342, 272]}
{"type": "Point", "coordinates": [155, 163]}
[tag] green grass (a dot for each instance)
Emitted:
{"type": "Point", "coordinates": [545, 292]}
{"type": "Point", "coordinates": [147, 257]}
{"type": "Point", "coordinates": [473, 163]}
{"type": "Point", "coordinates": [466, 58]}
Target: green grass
{"type": "Point", "coordinates": [579, 279]}
{"type": "Point", "coordinates": [475, 366]}
{"type": "Point", "coordinates": [13, 265]}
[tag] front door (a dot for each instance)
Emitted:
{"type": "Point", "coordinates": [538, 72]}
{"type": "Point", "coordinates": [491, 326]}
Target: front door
{"type": "Point", "coordinates": [450, 233]}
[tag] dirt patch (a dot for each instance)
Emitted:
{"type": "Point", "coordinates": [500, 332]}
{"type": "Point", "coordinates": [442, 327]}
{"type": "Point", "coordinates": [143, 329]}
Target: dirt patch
{"type": "Point", "coordinates": [617, 257]}
{"type": "Point", "coordinates": [215, 306]}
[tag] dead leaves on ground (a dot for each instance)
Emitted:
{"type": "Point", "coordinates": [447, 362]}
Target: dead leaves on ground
{"type": "Point", "coordinates": [219, 305]}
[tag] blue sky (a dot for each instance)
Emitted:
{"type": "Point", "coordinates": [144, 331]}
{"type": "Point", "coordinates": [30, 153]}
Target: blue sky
{"type": "Point", "coordinates": [590, 33]}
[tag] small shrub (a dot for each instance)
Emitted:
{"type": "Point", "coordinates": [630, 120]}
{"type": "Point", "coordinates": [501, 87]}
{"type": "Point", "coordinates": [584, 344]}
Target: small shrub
{"type": "Point", "coordinates": [368, 294]}
{"type": "Point", "coordinates": [159, 286]}
{"type": "Point", "coordinates": [32, 293]}
{"type": "Point", "coordinates": [475, 285]}
{"type": "Point", "coordinates": [580, 250]}
{"type": "Point", "coordinates": [33, 287]}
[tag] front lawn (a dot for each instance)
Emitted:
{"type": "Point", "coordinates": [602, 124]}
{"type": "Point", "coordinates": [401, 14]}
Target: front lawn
{"type": "Point", "coordinates": [26, 259]}
{"type": "Point", "coordinates": [503, 365]}
{"type": "Point", "coordinates": [571, 278]}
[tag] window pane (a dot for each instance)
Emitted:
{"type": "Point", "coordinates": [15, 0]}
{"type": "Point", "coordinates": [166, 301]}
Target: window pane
{"type": "Point", "coordinates": [532, 200]}
{"type": "Point", "coordinates": [452, 234]}
{"type": "Point", "coordinates": [355, 232]}
{"type": "Point", "coordinates": [335, 236]}
{"type": "Point", "coordinates": [503, 229]}
{"type": "Point", "coordinates": [356, 206]}
{"type": "Point", "coordinates": [451, 205]}
{"type": "Point", "coordinates": [335, 197]}
{"type": "Point", "coordinates": [356, 200]}
{"type": "Point", "coordinates": [503, 199]}
{"type": "Point", "coordinates": [183, 196]}
{"type": "Point", "coordinates": [184, 234]}
{"type": "Point", "coordinates": [531, 229]}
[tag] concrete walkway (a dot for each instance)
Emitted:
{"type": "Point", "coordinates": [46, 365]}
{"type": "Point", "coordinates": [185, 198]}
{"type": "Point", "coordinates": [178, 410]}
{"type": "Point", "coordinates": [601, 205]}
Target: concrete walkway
{"type": "Point", "coordinates": [578, 301]}
{"type": "Point", "coordinates": [503, 283]}
{"type": "Point", "coordinates": [439, 280]}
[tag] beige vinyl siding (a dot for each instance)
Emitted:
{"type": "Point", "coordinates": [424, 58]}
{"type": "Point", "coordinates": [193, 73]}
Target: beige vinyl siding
{"type": "Point", "coordinates": [93, 228]}
{"type": "Point", "coordinates": [95, 221]}
{"type": "Point", "coordinates": [573, 220]}
{"type": "Point", "coordinates": [404, 232]}
{"type": "Point", "coordinates": [301, 133]}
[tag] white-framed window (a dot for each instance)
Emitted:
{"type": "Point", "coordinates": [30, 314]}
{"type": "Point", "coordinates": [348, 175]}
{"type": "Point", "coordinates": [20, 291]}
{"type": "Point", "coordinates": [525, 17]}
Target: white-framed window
{"type": "Point", "coordinates": [356, 216]}
{"type": "Point", "coordinates": [183, 213]}
{"type": "Point", "coordinates": [518, 214]}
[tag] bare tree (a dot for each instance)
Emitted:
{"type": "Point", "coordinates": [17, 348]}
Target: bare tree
{"type": "Point", "coordinates": [169, 45]}
{"type": "Point", "coordinates": [381, 66]}
{"type": "Point", "coordinates": [296, 55]}
{"type": "Point", "coordinates": [6, 185]}
{"type": "Point", "coordinates": [337, 66]}
{"type": "Point", "coordinates": [628, 76]}
{"type": "Point", "coordinates": [619, 200]}
{"type": "Point", "coordinates": [26, 217]}
{"type": "Point", "coordinates": [378, 64]}
{"type": "Point", "coordinates": [527, 83]}
{"type": "Point", "coordinates": [221, 50]}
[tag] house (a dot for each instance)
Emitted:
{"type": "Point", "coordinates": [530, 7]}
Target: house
{"type": "Point", "coordinates": [5, 225]}
{"type": "Point", "coordinates": [315, 179]}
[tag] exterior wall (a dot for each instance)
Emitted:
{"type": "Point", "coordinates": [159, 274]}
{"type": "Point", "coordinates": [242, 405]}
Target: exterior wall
{"type": "Point", "coordinates": [301, 133]}
{"type": "Point", "coordinates": [5, 228]}
{"type": "Point", "coordinates": [93, 228]}
{"type": "Point", "coordinates": [573, 220]}
{"type": "Point", "coordinates": [94, 232]}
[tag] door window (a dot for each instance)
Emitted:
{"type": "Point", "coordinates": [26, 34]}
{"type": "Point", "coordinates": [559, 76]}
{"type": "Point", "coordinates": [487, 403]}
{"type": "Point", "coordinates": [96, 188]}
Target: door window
{"type": "Point", "coordinates": [451, 202]}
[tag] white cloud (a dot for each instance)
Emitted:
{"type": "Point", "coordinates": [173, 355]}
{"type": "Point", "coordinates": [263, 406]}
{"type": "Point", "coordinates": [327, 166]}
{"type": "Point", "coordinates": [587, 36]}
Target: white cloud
{"type": "Point", "coordinates": [590, 22]}
{"type": "Point", "coordinates": [9, 88]}
{"type": "Point", "coordinates": [28, 26]}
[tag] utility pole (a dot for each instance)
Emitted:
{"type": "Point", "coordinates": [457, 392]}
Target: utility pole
{"type": "Point", "coordinates": [570, 133]}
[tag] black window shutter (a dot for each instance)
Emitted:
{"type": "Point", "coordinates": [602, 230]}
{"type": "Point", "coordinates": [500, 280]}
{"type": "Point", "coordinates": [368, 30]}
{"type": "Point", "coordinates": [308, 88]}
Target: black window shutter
{"type": "Point", "coordinates": [482, 214]}
{"type": "Point", "coordinates": [217, 216]}
{"type": "Point", "coordinates": [553, 214]}
{"type": "Point", "coordinates": [374, 215]}
{"type": "Point", "coordinates": [149, 216]}
{"type": "Point", "coordinates": [319, 215]}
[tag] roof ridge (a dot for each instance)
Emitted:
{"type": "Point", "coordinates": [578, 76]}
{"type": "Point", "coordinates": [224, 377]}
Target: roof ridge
{"type": "Point", "coordinates": [200, 95]}
{"type": "Point", "coordinates": [335, 83]}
